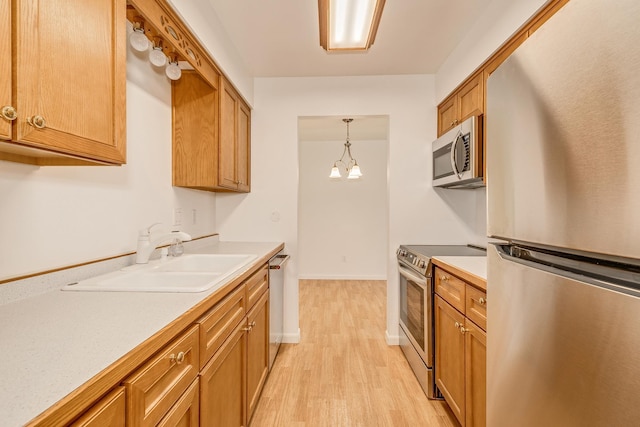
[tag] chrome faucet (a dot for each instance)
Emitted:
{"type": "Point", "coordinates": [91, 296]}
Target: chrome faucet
{"type": "Point", "coordinates": [147, 242]}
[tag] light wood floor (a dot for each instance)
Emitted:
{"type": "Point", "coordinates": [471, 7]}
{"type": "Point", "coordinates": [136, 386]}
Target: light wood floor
{"type": "Point", "coordinates": [343, 373]}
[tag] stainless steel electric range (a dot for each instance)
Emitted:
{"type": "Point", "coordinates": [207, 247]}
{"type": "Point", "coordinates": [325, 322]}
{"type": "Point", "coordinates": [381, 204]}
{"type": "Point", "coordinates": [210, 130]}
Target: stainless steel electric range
{"type": "Point", "coordinates": [416, 306]}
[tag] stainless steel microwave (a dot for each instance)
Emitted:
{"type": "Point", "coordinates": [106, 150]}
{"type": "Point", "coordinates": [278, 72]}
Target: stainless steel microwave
{"type": "Point", "coordinates": [458, 156]}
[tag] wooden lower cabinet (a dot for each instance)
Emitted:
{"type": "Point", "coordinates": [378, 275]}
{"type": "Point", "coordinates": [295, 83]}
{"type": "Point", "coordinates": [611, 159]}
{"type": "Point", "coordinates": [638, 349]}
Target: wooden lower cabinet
{"type": "Point", "coordinates": [450, 360]}
{"type": "Point", "coordinates": [222, 384]}
{"type": "Point", "coordinates": [461, 351]}
{"type": "Point", "coordinates": [257, 351]}
{"type": "Point", "coordinates": [110, 411]}
{"type": "Point", "coordinates": [475, 375]}
{"type": "Point", "coordinates": [158, 385]}
{"type": "Point", "coordinates": [186, 411]}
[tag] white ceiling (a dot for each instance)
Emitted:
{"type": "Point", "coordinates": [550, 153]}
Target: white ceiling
{"type": "Point", "coordinates": [280, 38]}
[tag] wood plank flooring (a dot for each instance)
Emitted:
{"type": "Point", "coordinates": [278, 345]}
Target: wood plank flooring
{"type": "Point", "coordinates": [343, 373]}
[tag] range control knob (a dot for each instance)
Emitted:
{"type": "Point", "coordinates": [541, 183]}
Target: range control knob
{"type": "Point", "coordinates": [422, 264]}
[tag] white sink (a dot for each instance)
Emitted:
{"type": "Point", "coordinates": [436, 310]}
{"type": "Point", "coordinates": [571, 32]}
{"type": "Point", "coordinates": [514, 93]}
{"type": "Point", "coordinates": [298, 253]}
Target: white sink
{"type": "Point", "coordinates": [188, 273]}
{"type": "Point", "coordinates": [218, 263]}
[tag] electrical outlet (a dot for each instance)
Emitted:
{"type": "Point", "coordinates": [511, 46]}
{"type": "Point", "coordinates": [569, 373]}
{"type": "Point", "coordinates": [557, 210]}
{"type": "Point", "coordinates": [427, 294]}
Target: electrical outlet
{"type": "Point", "coordinates": [177, 216]}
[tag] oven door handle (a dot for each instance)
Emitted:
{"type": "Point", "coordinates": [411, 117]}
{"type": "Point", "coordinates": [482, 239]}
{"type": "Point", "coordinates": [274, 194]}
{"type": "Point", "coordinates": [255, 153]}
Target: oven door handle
{"type": "Point", "coordinates": [421, 281]}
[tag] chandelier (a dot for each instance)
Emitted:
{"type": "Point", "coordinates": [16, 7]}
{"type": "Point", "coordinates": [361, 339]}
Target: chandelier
{"type": "Point", "coordinates": [350, 164]}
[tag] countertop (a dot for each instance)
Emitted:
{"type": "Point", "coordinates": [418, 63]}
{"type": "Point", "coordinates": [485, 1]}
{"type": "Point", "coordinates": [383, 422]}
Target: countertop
{"type": "Point", "coordinates": [473, 269]}
{"type": "Point", "coordinates": [55, 342]}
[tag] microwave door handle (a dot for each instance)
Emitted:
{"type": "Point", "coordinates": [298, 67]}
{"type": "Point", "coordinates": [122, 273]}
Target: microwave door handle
{"type": "Point", "coordinates": [454, 165]}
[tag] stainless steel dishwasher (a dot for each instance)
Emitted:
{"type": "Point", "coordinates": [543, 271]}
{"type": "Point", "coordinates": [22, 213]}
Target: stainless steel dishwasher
{"type": "Point", "coordinates": [276, 304]}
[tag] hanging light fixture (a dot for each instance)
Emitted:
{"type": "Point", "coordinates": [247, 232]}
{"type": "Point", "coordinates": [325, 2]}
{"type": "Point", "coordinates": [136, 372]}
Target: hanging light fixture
{"type": "Point", "coordinates": [351, 165]}
{"type": "Point", "coordinates": [347, 25]}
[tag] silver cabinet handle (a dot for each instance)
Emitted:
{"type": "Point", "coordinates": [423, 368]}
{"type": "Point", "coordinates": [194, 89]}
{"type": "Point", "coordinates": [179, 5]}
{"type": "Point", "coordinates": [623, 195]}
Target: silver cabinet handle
{"type": "Point", "coordinates": [482, 301]}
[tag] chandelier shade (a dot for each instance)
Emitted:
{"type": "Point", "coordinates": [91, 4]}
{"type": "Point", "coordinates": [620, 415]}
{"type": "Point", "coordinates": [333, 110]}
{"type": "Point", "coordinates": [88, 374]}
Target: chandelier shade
{"type": "Point", "coordinates": [350, 164]}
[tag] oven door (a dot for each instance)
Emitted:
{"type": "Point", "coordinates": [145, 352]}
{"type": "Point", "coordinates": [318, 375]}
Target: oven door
{"type": "Point", "coordinates": [415, 311]}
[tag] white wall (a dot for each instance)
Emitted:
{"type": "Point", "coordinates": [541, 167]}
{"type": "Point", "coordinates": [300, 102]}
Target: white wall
{"type": "Point", "coordinates": [342, 223]}
{"type": "Point", "coordinates": [205, 24]}
{"type": "Point", "coordinates": [416, 213]}
{"type": "Point", "coordinates": [499, 21]}
{"type": "Point", "coordinates": [57, 216]}
{"type": "Point", "coordinates": [497, 24]}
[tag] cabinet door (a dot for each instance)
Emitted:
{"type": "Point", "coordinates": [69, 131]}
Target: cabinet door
{"type": "Point", "coordinates": [257, 351]}
{"type": "Point", "coordinates": [222, 384]}
{"type": "Point", "coordinates": [449, 362]}
{"type": "Point", "coordinates": [195, 132]}
{"type": "Point", "coordinates": [476, 375]}
{"type": "Point", "coordinates": [244, 147]}
{"type": "Point", "coordinates": [110, 411]}
{"type": "Point", "coordinates": [5, 66]}
{"type": "Point", "coordinates": [186, 412]}
{"type": "Point", "coordinates": [447, 115]}
{"type": "Point", "coordinates": [69, 80]}
{"type": "Point", "coordinates": [471, 98]}
{"type": "Point", "coordinates": [228, 134]}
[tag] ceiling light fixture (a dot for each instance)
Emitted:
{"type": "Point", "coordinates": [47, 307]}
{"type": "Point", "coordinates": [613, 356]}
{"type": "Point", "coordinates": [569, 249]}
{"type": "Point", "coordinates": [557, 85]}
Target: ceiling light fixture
{"type": "Point", "coordinates": [349, 24]}
{"type": "Point", "coordinates": [351, 166]}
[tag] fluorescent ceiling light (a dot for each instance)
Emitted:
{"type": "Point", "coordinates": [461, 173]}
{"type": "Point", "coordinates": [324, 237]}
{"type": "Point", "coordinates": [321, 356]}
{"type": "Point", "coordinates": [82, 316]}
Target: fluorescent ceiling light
{"type": "Point", "coordinates": [349, 24]}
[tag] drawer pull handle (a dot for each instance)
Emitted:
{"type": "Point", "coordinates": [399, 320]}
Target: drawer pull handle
{"type": "Point", "coordinates": [457, 325]}
{"type": "Point", "coordinates": [178, 359]}
{"type": "Point", "coordinates": [482, 301]}
{"type": "Point", "coordinates": [248, 329]}
{"type": "Point", "coordinates": [463, 330]}
{"type": "Point", "coordinates": [253, 324]}
{"type": "Point", "coordinates": [444, 278]}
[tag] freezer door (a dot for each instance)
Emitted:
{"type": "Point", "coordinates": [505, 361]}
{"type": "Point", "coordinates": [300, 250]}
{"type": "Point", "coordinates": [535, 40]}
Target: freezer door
{"type": "Point", "coordinates": [563, 129]}
{"type": "Point", "coordinates": [560, 352]}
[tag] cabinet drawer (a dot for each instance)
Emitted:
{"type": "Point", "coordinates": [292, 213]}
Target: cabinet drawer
{"type": "Point", "coordinates": [476, 306]}
{"type": "Point", "coordinates": [154, 388]}
{"type": "Point", "coordinates": [450, 288]}
{"type": "Point", "coordinates": [256, 285]}
{"type": "Point", "coordinates": [218, 323]}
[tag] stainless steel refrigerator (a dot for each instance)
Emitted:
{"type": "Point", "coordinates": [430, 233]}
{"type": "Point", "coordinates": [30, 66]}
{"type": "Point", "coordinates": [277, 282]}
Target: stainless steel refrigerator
{"type": "Point", "coordinates": [563, 153]}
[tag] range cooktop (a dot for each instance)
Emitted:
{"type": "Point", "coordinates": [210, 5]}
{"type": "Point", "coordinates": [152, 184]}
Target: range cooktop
{"type": "Point", "coordinates": [418, 257]}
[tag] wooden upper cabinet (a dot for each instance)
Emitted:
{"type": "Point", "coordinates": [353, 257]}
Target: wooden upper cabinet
{"type": "Point", "coordinates": [211, 135]}
{"type": "Point", "coordinates": [447, 114]}
{"type": "Point", "coordinates": [195, 132]}
{"type": "Point", "coordinates": [466, 102]}
{"type": "Point", "coordinates": [69, 81]}
{"type": "Point", "coordinates": [471, 98]}
{"type": "Point", "coordinates": [5, 70]}
{"type": "Point", "coordinates": [234, 151]}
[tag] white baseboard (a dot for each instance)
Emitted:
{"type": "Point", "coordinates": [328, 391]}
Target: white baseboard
{"type": "Point", "coordinates": [291, 338]}
{"type": "Point", "coordinates": [392, 339]}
